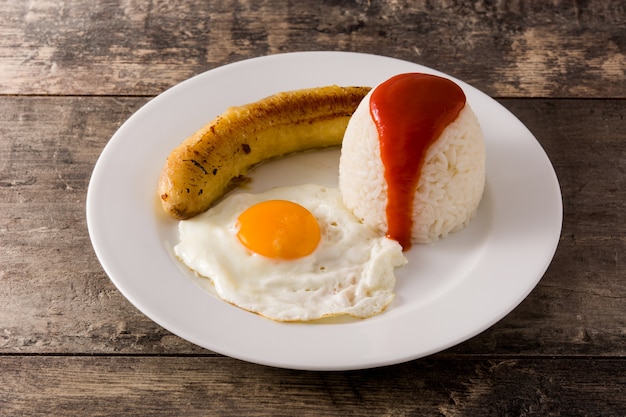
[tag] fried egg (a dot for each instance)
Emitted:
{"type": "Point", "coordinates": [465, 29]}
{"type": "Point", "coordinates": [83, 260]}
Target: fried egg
{"type": "Point", "coordinates": [291, 254]}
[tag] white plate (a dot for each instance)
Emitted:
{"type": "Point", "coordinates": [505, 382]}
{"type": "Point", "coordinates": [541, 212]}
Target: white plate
{"type": "Point", "coordinates": [449, 292]}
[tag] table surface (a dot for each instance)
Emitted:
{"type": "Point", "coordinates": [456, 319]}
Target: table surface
{"type": "Point", "coordinates": [72, 72]}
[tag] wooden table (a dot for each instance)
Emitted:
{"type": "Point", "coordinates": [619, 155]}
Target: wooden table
{"type": "Point", "coordinates": [72, 72]}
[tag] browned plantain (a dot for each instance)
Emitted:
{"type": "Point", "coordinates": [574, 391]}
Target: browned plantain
{"type": "Point", "coordinates": [207, 164]}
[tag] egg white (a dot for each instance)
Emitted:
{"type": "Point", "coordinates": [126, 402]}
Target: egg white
{"type": "Point", "coordinates": [350, 272]}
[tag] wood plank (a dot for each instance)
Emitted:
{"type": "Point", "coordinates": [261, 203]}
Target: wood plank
{"type": "Point", "coordinates": [55, 298]}
{"type": "Point", "coordinates": [162, 386]}
{"type": "Point", "coordinates": [558, 49]}
{"type": "Point", "coordinates": [55, 295]}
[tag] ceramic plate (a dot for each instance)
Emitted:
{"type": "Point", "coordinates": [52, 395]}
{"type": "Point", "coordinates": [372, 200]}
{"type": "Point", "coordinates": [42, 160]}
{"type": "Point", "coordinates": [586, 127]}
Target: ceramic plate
{"type": "Point", "coordinates": [449, 291]}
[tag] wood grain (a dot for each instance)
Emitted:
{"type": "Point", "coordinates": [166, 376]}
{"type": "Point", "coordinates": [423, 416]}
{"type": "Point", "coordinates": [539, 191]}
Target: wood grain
{"type": "Point", "coordinates": [506, 48]}
{"type": "Point", "coordinates": [165, 386]}
{"type": "Point", "coordinates": [55, 298]}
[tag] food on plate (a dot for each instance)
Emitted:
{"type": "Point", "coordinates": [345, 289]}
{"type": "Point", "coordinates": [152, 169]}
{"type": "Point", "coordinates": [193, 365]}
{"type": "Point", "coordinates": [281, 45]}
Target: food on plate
{"type": "Point", "coordinates": [412, 162]}
{"type": "Point", "coordinates": [412, 170]}
{"type": "Point", "coordinates": [291, 254]}
{"type": "Point", "coordinates": [208, 163]}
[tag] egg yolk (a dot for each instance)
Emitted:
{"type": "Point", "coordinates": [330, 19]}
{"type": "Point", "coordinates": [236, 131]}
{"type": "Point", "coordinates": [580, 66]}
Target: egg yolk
{"type": "Point", "coordinates": [279, 229]}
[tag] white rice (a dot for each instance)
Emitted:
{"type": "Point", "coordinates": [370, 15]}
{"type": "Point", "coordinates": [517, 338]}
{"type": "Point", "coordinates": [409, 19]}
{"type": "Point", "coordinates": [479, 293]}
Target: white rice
{"type": "Point", "coordinates": [451, 183]}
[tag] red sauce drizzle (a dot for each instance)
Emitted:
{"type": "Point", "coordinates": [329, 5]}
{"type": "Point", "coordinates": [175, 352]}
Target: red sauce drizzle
{"type": "Point", "coordinates": [410, 112]}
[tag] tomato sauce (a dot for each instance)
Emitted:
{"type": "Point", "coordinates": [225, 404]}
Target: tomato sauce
{"type": "Point", "coordinates": [410, 112]}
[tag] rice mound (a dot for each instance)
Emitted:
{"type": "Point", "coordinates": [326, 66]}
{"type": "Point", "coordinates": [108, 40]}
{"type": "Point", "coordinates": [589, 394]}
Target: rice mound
{"type": "Point", "coordinates": [451, 183]}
